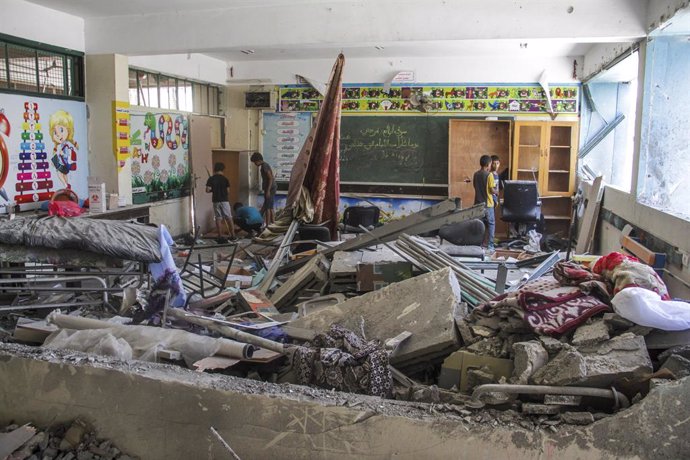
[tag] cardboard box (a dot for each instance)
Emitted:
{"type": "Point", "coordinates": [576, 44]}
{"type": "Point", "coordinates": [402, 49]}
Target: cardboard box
{"type": "Point", "coordinates": [97, 197]}
{"type": "Point", "coordinates": [455, 367]}
{"type": "Point", "coordinates": [371, 277]}
{"type": "Point", "coordinates": [112, 200]}
{"type": "Point", "coordinates": [239, 281]}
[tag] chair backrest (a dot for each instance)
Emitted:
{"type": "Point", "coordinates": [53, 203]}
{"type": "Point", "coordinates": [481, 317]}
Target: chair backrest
{"type": "Point", "coordinates": [310, 232]}
{"type": "Point", "coordinates": [368, 216]}
{"type": "Point", "coordinates": [467, 233]}
{"type": "Point", "coordinates": [520, 201]}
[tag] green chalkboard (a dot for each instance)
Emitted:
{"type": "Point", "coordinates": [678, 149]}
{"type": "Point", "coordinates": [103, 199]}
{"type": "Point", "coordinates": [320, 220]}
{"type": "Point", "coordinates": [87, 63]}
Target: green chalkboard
{"type": "Point", "coordinates": [394, 149]}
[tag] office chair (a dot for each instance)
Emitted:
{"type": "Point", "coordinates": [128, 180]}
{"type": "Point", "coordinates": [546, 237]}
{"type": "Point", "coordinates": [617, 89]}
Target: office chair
{"type": "Point", "coordinates": [311, 233]}
{"type": "Point", "coordinates": [521, 205]}
{"type": "Point", "coordinates": [354, 216]}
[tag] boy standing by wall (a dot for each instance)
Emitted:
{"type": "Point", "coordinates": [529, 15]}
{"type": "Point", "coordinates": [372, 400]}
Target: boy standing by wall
{"type": "Point", "coordinates": [218, 186]}
{"type": "Point", "coordinates": [268, 185]}
{"type": "Point", "coordinates": [484, 189]}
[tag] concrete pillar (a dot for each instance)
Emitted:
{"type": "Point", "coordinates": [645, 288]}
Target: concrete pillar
{"type": "Point", "coordinates": [107, 81]}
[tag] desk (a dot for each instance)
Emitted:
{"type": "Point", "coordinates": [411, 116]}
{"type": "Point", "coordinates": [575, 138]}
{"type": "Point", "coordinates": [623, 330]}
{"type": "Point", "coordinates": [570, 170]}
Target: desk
{"type": "Point", "coordinates": [138, 212]}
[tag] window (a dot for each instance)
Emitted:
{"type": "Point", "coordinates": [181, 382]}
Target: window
{"type": "Point", "coordinates": [155, 90]}
{"type": "Point", "coordinates": [611, 127]}
{"type": "Point", "coordinates": [664, 146]}
{"type": "Point", "coordinates": [35, 68]}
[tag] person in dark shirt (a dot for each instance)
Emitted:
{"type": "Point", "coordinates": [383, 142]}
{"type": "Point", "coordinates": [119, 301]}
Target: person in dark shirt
{"type": "Point", "coordinates": [268, 185]}
{"type": "Point", "coordinates": [248, 218]}
{"type": "Point", "coordinates": [218, 186]}
{"type": "Point", "coordinates": [484, 189]}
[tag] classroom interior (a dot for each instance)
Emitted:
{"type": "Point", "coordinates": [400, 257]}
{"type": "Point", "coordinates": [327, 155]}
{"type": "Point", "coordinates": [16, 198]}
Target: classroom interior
{"type": "Point", "coordinates": [564, 92]}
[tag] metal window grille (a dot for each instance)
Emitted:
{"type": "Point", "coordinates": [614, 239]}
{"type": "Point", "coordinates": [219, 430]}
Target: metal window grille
{"type": "Point", "coordinates": [23, 64]}
{"type": "Point", "coordinates": [51, 73]}
{"type": "Point", "coordinates": [27, 66]}
{"type": "Point", "coordinates": [3, 66]}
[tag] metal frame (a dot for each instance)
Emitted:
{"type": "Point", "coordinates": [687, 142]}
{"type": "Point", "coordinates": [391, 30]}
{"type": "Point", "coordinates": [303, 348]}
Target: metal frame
{"type": "Point", "coordinates": [197, 280]}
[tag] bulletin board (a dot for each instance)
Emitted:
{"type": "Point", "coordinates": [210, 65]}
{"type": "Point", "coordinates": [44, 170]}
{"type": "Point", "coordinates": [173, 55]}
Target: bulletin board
{"type": "Point", "coordinates": [283, 136]}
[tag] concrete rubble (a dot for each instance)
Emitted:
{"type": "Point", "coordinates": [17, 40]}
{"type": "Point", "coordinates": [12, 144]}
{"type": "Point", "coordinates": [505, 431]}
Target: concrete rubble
{"type": "Point", "coordinates": [426, 330]}
{"type": "Point", "coordinates": [72, 441]}
{"type": "Point", "coordinates": [426, 306]}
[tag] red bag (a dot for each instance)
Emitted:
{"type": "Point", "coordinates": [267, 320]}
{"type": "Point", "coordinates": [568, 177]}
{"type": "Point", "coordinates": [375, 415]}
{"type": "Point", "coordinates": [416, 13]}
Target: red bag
{"type": "Point", "coordinates": [64, 208]}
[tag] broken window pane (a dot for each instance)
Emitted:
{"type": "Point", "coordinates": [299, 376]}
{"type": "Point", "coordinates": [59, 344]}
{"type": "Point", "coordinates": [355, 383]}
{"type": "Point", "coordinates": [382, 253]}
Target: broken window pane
{"type": "Point", "coordinates": [614, 94]}
{"type": "Point", "coordinates": [664, 147]}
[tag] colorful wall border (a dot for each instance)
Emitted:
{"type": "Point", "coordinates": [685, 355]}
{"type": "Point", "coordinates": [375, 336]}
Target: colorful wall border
{"type": "Point", "coordinates": [494, 99]}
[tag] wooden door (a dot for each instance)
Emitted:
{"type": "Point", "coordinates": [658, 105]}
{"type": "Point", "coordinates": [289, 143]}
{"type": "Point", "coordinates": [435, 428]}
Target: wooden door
{"type": "Point", "coordinates": [201, 166]}
{"type": "Point", "coordinates": [468, 140]}
{"type": "Point", "coordinates": [231, 160]}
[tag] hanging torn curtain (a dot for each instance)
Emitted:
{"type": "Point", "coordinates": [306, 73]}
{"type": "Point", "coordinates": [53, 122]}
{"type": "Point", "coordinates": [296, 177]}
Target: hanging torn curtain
{"type": "Point", "coordinates": [318, 164]}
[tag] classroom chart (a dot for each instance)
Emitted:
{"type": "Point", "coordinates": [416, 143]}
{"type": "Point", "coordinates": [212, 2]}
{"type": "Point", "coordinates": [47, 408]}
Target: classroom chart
{"type": "Point", "coordinates": [284, 135]}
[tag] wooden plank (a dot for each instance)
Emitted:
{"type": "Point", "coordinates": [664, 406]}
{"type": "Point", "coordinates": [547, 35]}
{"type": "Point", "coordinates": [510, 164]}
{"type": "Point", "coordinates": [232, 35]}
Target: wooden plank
{"type": "Point", "coordinates": [639, 251]}
{"type": "Point", "coordinates": [591, 214]}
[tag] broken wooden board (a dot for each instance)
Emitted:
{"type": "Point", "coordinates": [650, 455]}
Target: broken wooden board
{"type": "Point", "coordinates": [426, 306]}
{"type": "Point", "coordinates": [585, 236]}
{"type": "Point", "coordinates": [255, 300]}
{"type": "Point", "coordinates": [315, 272]}
{"type": "Point", "coordinates": [31, 331]}
{"type": "Point", "coordinates": [214, 362]}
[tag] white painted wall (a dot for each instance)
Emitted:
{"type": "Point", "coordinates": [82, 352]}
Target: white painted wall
{"type": "Point", "coordinates": [173, 213]}
{"type": "Point", "coordinates": [660, 11]}
{"type": "Point", "coordinates": [600, 55]}
{"type": "Point", "coordinates": [429, 70]}
{"type": "Point", "coordinates": [33, 22]}
{"type": "Point", "coordinates": [194, 66]}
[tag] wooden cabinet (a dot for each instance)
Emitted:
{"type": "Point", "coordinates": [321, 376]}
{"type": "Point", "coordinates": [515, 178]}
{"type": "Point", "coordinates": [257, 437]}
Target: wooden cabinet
{"type": "Point", "coordinates": [547, 152]}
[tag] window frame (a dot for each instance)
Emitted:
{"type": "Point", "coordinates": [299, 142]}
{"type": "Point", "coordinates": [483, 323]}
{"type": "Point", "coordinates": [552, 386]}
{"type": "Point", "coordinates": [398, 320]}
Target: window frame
{"type": "Point", "coordinates": [204, 88]}
{"type": "Point", "coordinates": [73, 78]}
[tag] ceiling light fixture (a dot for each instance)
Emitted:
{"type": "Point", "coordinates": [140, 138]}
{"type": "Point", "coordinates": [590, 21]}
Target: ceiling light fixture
{"type": "Point", "coordinates": [247, 51]}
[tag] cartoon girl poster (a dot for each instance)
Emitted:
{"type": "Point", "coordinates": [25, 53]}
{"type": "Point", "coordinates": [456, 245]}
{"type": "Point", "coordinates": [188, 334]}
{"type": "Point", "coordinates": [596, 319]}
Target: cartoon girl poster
{"type": "Point", "coordinates": [65, 151]}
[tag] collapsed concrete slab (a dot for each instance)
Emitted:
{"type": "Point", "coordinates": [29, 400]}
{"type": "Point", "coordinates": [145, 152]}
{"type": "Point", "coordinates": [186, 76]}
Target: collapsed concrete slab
{"type": "Point", "coordinates": [529, 358]}
{"type": "Point", "coordinates": [623, 358]}
{"type": "Point", "coordinates": [590, 334]}
{"type": "Point", "coordinates": [426, 306]}
{"type": "Point", "coordinates": [158, 411]}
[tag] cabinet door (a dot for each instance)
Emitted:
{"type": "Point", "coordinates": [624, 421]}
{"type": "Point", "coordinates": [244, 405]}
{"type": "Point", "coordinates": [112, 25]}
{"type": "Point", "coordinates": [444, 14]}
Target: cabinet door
{"type": "Point", "coordinates": [558, 174]}
{"type": "Point", "coordinates": [529, 151]}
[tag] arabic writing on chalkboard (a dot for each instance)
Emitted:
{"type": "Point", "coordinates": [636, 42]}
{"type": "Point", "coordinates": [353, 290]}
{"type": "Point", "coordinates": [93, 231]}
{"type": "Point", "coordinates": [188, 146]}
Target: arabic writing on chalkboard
{"type": "Point", "coordinates": [393, 150]}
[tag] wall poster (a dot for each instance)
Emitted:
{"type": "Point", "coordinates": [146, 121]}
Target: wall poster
{"type": "Point", "coordinates": [121, 133]}
{"type": "Point", "coordinates": [283, 137]}
{"type": "Point", "coordinates": [526, 98]}
{"type": "Point", "coordinates": [43, 148]}
{"type": "Point", "coordinates": [160, 156]}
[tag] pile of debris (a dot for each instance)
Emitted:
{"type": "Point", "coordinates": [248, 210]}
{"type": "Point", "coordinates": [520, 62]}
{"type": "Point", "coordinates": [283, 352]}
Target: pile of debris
{"type": "Point", "coordinates": [390, 315]}
{"type": "Point", "coordinates": [75, 441]}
